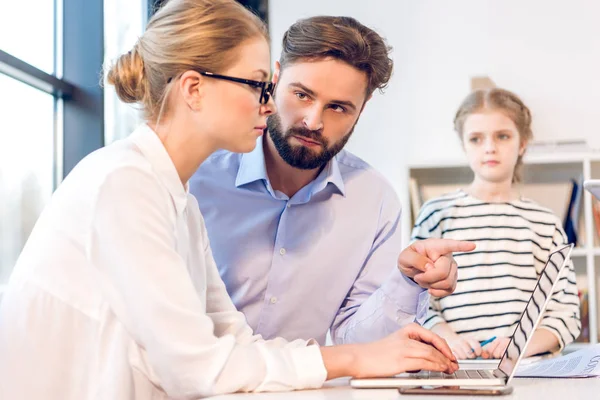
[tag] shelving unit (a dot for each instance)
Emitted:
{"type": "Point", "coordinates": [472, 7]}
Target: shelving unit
{"type": "Point", "coordinates": [546, 180]}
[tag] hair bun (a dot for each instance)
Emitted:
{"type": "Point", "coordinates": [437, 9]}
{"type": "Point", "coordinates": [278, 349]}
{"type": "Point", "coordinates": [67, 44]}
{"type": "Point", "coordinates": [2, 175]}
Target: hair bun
{"type": "Point", "coordinates": [127, 76]}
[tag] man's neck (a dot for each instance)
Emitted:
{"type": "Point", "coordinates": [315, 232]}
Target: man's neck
{"type": "Point", "coordinates": [284, 177]}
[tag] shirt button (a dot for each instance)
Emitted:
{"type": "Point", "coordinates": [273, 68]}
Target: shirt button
{"type": "Point", "coordinates": [289, 205]}
{"type": "Point", "coordinates": [273, 300]}
{"type": "Point", "coordinates": [282, 251]}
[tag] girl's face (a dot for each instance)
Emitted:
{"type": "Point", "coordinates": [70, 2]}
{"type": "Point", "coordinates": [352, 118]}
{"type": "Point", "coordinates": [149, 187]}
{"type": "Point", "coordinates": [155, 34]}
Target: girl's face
{"type": "Point", "coordinates": [492, 144]}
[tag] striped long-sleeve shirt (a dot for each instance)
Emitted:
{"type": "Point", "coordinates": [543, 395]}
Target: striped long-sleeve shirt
{"type": "Point", "coordinates": [514, 240]}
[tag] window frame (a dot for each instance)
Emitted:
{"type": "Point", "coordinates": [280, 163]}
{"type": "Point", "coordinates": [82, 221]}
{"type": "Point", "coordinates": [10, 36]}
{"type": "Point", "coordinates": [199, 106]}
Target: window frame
{"type": "Point", "coordinates": [75, 85]}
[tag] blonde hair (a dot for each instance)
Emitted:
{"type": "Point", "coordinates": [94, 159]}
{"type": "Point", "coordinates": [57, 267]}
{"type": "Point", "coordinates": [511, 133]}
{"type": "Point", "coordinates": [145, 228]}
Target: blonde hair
{"type": "Point", "coordinates": [182, 35]}
{"type": "Point", "coordinates": [499, 100]}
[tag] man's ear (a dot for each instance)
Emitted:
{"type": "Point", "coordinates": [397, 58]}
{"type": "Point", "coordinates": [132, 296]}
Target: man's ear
{"type": "Point", "coordinates": [191, 86]}
{"type": "Point", "coordinates": [276, 72]}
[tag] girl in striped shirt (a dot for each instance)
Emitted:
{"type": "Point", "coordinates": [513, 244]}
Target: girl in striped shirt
{"type": "Point", "coordinates": [514, 238]}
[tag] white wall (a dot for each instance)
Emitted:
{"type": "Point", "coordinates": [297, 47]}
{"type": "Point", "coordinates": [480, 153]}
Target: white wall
{"type": "Point", "coordinates": [546, 51]}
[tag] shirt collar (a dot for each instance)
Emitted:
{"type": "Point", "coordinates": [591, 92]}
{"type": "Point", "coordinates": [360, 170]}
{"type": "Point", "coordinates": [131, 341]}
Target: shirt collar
{"type": "Point", "coordinates": [154, 151]}
{"type": "Point", "coordinates": [333, 175]}
{"type": "Point", "coordinates": [252, 168]}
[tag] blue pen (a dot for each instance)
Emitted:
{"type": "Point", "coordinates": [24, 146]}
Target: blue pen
{"type": "Point", "coordinates": [484, 342]}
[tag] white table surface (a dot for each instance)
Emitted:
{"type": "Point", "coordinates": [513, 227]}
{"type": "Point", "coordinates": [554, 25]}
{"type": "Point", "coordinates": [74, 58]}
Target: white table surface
{"type": "Point", "coordinates": [525, 389]}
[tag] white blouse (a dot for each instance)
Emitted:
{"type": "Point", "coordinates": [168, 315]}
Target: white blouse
{"type": "Point", "coordinates": [116, 295]}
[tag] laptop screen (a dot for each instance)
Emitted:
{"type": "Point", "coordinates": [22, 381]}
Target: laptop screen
{"type": "Point", "coordinates": [534, 309]}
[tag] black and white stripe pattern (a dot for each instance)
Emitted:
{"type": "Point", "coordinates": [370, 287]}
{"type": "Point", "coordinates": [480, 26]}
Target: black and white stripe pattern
{"type": "Point", "coordinates": [543, 290]}
{"type": "Point", "coordinates": [495, 281]}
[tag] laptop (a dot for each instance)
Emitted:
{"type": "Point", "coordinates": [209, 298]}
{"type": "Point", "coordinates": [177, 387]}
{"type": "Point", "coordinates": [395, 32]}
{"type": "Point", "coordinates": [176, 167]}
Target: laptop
{"type": "Point", "coordinates": [505, 371]}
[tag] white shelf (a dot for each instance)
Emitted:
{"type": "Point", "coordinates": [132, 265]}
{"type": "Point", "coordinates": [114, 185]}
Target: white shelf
{"type": "Point", "coordinates": [535, 158]}
{"type": "Point", "coordinates": [584, 251]}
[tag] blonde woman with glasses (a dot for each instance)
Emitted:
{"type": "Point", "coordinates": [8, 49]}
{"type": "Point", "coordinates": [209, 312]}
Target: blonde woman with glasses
{"type": "Point", "coordinates": [116, 294]}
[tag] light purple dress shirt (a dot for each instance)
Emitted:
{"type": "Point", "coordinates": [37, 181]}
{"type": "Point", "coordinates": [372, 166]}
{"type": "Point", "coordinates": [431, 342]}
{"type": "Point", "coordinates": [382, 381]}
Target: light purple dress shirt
{"type": "Point", "coordinates": [323, 259]}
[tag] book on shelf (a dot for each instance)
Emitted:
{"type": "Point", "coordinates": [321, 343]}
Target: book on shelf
{"type": "Point", "coordinates": [572, 218]}
{"type": "Point", "coordinates": [416, 199]}
{"type": "Point", "coordinates": [596, 215]}
{"type": "Point", "coordinates": [584, 314]}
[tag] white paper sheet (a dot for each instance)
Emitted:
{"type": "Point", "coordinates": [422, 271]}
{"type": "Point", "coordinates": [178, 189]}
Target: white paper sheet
{"type": "Point", "coordinates": [580, 364]}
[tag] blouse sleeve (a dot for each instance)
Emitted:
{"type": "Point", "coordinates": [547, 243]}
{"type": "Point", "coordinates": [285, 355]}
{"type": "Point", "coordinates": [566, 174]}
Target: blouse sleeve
{"type": "Point", "coordinates": [132, 244]}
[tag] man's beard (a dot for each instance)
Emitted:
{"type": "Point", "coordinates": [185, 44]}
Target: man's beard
{"type": "Point", "coordinates": [300, 156]}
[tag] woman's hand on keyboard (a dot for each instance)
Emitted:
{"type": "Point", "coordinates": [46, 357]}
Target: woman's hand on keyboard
{"type": "Point", "coordinates": [411, 348]}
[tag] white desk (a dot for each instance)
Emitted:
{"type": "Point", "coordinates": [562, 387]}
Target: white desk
{"type": "Point", "coordinates": [524, 389]}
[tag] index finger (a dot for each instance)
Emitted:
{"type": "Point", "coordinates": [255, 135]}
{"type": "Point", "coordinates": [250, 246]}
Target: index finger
{"type": "Point", "coordinates": [435, 248]}
{"type": "Point", "coordinates": [426, 336]}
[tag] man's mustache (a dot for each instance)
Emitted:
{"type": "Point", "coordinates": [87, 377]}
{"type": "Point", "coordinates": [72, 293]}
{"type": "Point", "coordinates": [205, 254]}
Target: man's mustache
{"type": "Point", "coordinates": [309, 134]}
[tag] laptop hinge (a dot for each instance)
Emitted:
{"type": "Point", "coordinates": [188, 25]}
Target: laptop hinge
{"type": "Point", "coordinates": [498, 373]}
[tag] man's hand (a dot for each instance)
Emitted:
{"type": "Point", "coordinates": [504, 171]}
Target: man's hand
{"type": "Point", "coordinates": [430, 264]}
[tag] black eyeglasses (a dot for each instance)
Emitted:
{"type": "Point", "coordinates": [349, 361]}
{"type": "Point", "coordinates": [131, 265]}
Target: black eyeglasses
{"type": "Point", "coordinates": [266, 88]}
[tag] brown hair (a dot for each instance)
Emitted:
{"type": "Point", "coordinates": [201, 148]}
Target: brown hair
{"type": "Point", "coordinates": [501, 100]}
{"type": "Point", "coordinates": [341, 38]}
{"type": "Point", "coordinates": [182, 35]}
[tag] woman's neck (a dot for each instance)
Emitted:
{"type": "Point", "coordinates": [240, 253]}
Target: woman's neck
{"type": "Point", "coordinates": [492, 192]}
{"type": "Point", "coordinates": [183, 146]}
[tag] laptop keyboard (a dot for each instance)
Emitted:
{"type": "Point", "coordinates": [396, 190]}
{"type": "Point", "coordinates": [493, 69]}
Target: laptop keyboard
{"type": "Point", "coordinates": [460, 374]}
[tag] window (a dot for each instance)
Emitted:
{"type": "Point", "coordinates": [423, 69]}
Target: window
{"type": "Point", "coordinates": [28, 154]}
{"type": "Point", "coordinates": [51, 107]}
{"type": "Point", "coordinates": [27, 158]}
{"type": "Point", "coordinates": [31, 37]}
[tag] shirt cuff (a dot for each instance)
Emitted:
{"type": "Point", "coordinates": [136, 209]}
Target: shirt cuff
{"type": "Point", "coordinates": [309, 365]}
{"type": "Point", "coordinates": [292, 368]}
{"type": "Point", "coordinates": [408, 296]}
